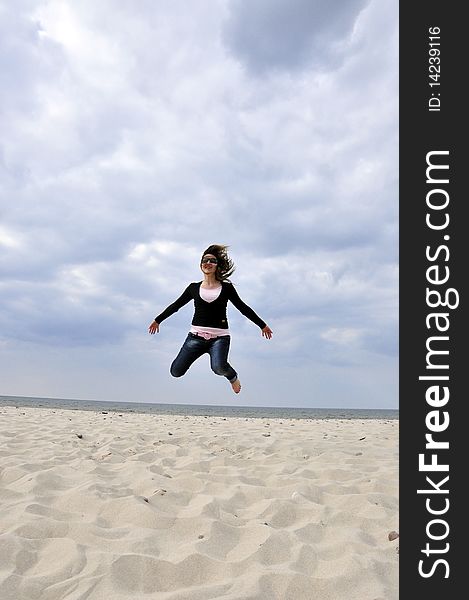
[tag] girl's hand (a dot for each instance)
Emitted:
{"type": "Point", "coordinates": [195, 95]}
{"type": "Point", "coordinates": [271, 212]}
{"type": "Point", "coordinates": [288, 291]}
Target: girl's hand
{"type": "Point", "coordinates": [154, 328]}
{"type": "Point", "coordinates": [267, 332]}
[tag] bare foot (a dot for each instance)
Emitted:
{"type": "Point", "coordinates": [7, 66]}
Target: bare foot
{"type": "Point", "coordinates": [236, 385]}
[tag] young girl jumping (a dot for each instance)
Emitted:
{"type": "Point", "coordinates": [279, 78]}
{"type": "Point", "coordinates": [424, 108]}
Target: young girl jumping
{"type": "Point", "coordinates": [209, 332]}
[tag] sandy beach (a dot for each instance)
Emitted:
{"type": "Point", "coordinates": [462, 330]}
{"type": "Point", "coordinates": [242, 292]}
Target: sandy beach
{"type": "Point", "coordinates": [113, 506]}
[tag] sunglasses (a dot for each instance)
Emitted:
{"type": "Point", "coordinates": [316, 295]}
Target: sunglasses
{"type": "Point", "coordinates": [204, 261]}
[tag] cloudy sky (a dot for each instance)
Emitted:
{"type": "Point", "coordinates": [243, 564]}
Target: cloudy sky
{"type": "Point", "coordinates": [137, 133]}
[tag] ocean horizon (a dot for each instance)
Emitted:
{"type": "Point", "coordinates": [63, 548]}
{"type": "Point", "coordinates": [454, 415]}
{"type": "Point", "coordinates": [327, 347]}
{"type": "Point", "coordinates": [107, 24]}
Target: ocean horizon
{"type": "Point", "coordinates": [283, 412]}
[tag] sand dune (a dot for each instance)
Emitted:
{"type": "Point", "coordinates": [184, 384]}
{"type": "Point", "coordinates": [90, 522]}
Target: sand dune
{"type": "Point", "coordinates": [132, 506]}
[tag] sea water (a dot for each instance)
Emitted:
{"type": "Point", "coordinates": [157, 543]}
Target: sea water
{"type": "Point", "coordinates": [273, 412]}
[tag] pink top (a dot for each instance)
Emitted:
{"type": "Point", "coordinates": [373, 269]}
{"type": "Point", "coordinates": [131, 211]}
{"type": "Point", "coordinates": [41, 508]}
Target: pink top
{"type": "Point", "coordinates": [209, 295]}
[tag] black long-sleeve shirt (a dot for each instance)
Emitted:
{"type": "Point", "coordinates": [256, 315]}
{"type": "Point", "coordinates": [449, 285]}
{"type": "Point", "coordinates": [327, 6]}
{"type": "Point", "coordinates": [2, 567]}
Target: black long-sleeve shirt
{"type": "Point", "coordinates": [211, 314]}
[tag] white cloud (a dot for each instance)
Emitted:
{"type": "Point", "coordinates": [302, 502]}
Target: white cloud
{"type": "Point", "coordinates": [342, 336]}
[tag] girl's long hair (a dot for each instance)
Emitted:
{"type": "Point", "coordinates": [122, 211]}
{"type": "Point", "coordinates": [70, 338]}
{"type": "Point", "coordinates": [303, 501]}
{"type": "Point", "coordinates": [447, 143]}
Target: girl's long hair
{"type": "Point", "coordinates": [225, 265]}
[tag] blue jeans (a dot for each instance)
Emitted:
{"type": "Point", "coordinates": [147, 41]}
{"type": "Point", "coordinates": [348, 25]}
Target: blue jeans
{"type": "Point", "coordinates": [193, 348]}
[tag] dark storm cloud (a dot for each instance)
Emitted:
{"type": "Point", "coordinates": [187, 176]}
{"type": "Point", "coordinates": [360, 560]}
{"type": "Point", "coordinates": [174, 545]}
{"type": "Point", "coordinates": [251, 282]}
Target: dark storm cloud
{"type": "Point", "coordinates": [290, 34]}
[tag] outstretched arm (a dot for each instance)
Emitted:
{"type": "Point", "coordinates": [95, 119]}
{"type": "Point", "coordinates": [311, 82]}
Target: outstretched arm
{"type": "Point", "coordinates": [249, 313]}
{"type": "Point", "coordinates": [183, 299]}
